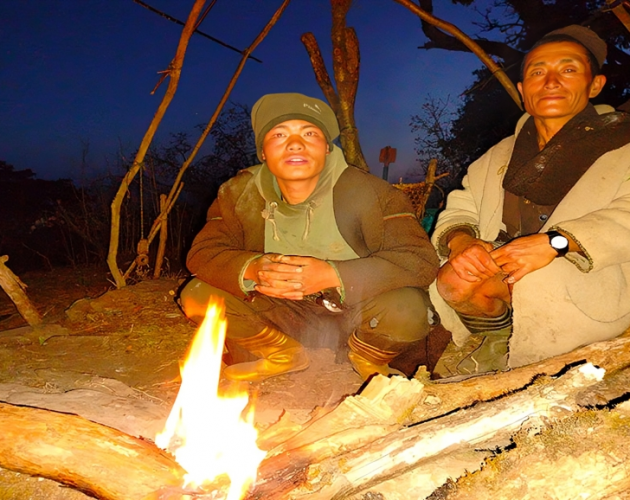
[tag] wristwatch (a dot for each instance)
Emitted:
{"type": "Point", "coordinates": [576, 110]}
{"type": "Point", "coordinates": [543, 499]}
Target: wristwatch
{"type": "Point", "coordinates": [558, 242]}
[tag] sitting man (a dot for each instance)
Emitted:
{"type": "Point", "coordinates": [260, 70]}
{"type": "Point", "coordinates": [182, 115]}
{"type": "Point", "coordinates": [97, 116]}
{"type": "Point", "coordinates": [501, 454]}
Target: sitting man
{"type": "Point", "coordinates": [536, 243]}
{"type": "Point", "coordinates": [306, 247]}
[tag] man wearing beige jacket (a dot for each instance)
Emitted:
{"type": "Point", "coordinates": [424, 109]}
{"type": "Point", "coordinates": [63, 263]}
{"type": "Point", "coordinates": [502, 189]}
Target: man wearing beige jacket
{"type": "Point", "coordinates": [536, 246]}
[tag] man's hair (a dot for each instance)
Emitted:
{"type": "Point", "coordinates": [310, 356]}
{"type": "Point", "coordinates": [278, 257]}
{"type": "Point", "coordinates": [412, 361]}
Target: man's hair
{"type": "Point", "coordinates": [592, 60]}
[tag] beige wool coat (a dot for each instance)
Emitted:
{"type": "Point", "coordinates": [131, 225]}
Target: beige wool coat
{"type": "Point", "coordinates": [575, 300]}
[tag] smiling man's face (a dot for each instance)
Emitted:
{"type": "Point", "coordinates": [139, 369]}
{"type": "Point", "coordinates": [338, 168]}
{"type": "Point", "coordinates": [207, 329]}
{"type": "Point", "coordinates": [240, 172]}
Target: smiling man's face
{"type": "Point", "coordinates": [295, 151]}
{"type": "Point", "coordinates": [557, 81]}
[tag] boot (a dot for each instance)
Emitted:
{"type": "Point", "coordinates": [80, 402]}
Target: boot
{"type": "Point", "coordinates": [368, 360]}
{"type": "Point", "coordinates": [279, 354]}
{"type": "Point", "coordinates": [490, 356]}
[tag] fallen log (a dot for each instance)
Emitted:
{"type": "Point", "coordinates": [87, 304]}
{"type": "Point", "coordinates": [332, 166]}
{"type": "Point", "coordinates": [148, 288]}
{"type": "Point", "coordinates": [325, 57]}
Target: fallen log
{"type": "Point", "coordinates": [400, 451]}
{"type": "Point", "coordinates": [93, 458]}
{"type": "Point", "coordinates": [442, 398]}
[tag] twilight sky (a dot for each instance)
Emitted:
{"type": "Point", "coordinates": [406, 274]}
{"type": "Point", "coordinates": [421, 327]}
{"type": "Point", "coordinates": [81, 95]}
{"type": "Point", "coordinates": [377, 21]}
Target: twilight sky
{"type": "Point", "coordinates": [78, 72]}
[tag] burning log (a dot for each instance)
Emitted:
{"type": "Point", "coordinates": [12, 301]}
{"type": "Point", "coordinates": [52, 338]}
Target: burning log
{"type": "Point", "coordinates": [91, 457]}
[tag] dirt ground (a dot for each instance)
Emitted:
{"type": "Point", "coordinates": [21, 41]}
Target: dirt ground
{"type": "Point", "coordinates": [113, 357]}
{"type": "Point", "coordinates": [102, 350]}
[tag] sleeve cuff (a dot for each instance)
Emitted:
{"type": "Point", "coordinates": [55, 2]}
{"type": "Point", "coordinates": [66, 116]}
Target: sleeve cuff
{"type": "Point", "coordinates": [245, 284]}
{"type": "Point", "coordinates": [442, 240]}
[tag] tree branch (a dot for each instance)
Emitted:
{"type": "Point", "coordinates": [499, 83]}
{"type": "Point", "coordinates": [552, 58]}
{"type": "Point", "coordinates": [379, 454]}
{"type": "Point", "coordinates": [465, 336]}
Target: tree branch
{"type": "Point", "coordinates": [470, 43]}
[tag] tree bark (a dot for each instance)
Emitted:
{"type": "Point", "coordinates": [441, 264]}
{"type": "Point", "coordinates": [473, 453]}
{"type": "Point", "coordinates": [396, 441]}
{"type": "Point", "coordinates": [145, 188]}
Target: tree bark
{"type": "Point", "coordinates": [91, 457]}
{"type": "Point", "coordinates": [14, 288]}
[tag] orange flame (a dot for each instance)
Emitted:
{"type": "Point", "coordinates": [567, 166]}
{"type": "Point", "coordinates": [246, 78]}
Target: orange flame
{"type": "Point", "coordinates": [207, 433]}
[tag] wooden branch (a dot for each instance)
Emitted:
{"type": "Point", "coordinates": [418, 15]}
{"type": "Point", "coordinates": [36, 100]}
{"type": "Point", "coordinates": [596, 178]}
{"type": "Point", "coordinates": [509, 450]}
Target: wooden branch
{"type": "Point", "coordinates": [99, 460]}
{"type": "Point", "coordinates": [346, 63]}
{"type": "Point", "coordinates": [474, 47]}
{"type": "Point", "coordinates": [205, 35]}
{"type": "Point", "coordinates": [175, 70]}
{"type": "Point", "coordinates": [14, 288]}
{"type": "Point", "coordinates": [176, 189]}
{"type": "Point", "coordinates": [620, 11]}
{"type": "Point", "coordinates": [321, 74]}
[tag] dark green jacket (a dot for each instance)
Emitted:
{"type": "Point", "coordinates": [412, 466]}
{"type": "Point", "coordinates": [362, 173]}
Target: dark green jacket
{"type": "Point", "coordinates": [374, 218]}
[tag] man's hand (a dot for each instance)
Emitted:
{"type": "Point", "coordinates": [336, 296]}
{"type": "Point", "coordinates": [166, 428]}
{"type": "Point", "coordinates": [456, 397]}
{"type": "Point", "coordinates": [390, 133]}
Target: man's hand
{"type": "Point", "coordinates": [470, 258]}
{"type": "Point", "coordinates": [291, 277]}
{"type": "Point", "coordinates": [524, 255]}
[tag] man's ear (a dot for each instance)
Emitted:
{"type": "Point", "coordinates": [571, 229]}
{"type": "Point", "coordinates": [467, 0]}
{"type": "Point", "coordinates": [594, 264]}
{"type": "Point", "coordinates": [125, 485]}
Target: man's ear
{"type": "Point", "coordinates": [597, 85]}
{"type": "Point", "coordinates": [519, 86]}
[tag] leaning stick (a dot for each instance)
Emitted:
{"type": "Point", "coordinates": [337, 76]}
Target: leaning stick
{"type": "Point", "coordinates": [175, 189]}
{"type": "Point", "coordinates": [174, 71]}
{"type": "Point", "coordinates": [14, 288]}
{"type": "Point", "coordinates": [468, 42]}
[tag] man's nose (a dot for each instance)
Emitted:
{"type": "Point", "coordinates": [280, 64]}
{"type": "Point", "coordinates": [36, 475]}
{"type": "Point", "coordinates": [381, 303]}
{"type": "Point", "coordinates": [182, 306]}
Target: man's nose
{"type": "Point", "coordinates": [552, 80]}
{"type": "Point", "coordinates": [295, 142]}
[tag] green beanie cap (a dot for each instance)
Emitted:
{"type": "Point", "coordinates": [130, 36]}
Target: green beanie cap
{"type": "Point", "coordinates": [272, 109]}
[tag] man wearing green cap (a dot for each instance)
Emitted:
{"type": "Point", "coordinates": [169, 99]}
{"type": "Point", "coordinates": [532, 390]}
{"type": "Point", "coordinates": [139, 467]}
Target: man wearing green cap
{"type": "Point", "coordinates": [535, 245]}
{"type": "Point", "coordinates": [306, 247]}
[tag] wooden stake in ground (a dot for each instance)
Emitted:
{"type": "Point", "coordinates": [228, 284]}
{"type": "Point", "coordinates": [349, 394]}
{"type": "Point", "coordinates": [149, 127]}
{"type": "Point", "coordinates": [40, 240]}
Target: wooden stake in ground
{"type": "Point", "coordinates": [14, 287]}
{"type": "Point", "coordinates": [159, 259]}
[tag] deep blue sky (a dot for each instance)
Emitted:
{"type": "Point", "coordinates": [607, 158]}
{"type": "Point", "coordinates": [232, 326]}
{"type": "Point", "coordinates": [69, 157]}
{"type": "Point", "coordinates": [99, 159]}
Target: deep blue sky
{"type": "Point", "coordinates": [74, 72]}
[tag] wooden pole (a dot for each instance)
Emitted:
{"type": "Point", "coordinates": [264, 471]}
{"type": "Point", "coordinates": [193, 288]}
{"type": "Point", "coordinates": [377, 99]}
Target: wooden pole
{"type": "Point", "coordinates": [174, 71]}
{"type": "Point", "coordinates": [14, 288]}
{"type": "Point", "coordinates": [176, 188]}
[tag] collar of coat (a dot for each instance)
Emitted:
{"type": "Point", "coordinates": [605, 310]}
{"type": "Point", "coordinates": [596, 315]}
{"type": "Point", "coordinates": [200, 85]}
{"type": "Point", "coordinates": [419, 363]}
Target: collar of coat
{"type": "Point", "coordinates": [545, 177]}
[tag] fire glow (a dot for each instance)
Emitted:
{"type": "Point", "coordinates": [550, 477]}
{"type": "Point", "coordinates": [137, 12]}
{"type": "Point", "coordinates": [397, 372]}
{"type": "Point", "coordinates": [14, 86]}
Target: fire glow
{"type": "Point", "coordinates": [208, 434]}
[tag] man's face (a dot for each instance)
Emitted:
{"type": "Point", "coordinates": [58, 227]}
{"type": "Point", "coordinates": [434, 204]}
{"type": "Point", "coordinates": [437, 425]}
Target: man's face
{"type": "Point", "coordinates": [557, 81]}
{"type": "Point", "coordinates": [295, 150]}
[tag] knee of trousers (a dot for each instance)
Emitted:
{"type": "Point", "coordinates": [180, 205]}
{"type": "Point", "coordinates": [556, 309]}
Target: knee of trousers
{"type": "Point", "coordinates": [194, 297]}
{"type": "Point", "coordinates": [398, 316]}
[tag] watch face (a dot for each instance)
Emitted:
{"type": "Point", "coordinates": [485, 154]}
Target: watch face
{"type": "Point", "coordinates": [559, 242]}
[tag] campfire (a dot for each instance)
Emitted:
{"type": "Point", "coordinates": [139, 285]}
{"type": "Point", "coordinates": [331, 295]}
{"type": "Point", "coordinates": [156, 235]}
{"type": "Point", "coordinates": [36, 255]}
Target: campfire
{"type": "Point", "coordinates": [209, 434]}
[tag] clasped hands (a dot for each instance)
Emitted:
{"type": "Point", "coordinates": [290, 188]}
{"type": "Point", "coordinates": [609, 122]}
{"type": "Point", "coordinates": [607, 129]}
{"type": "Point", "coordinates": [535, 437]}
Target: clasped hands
{"type": "Point", "coordinates": [475, 260]}
{"type": "Point", "coordinates": [290, 276]}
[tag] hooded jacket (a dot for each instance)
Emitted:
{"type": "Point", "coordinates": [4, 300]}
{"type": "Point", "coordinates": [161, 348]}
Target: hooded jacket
{"type": "Point", "coordinates": [575, 300]}
{"type": "Point", "coordinates": [375, 219]}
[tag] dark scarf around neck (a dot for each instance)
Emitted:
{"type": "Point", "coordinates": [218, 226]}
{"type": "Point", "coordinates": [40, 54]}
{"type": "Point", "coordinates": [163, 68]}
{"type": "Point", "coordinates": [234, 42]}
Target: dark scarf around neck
{"type": "Point", "coordinates": [545, 177]}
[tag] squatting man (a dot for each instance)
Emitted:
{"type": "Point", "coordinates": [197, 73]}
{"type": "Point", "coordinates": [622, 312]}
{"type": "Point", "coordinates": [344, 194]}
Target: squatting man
{"type": "Point", "coordinates": [537, 243]}
{"type": "Point", "coordinates": [305, 246]}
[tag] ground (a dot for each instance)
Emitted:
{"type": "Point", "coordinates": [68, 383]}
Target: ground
{"type": "Point", "coordinates": [100, 343]}
{"type": "Point", "coordinates": [113, 357]}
